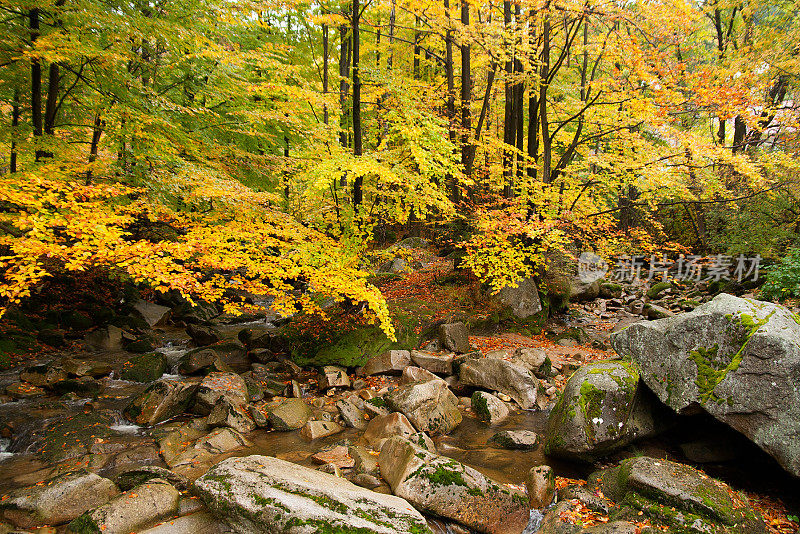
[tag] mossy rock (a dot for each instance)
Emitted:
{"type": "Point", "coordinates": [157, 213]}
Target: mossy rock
{"type": "Point", "coordinates": [140, 346]}
{"type": "Point", "coordinates": [144, 368]}
{"type": "Point", "coordinates": [657, 289]}
{"type": "Point", "coordinates": [70, 437]}
{"type": "Point", "coordinates": [76, 320]}
{"type": "Point", "coordinates": [353, 349]}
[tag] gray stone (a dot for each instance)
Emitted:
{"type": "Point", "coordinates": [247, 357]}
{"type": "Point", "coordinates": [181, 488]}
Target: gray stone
{"type": "Point", "coordinates": [429, 406]}
{"type": "Point", "coordinates": [219, 441]}
{"type": "Point", "coordinates": [592, 501]}
{"type": "Point", "coordinates": [383, 427]}
{"type": "Point", "coordinates": [737, 359]}
{"type": "Point", "coordinates": [351, 414]}
{"type": "Point", "coordinates": [533, 358]}
{"type": "Point", "coordinates": [504, 376]}
{"type": "Point", "coordinates": [441, 364]}
{"type": "Point", "coordinates": [489, 408]}
{"type": "Point", "coordinates": [290, 414]}
{"type": "Point", "coordinates": [523, 300]}
{"type": "Point", "coordinates": [446, 488]}
{"type": "Point", "coordinates": [455, 337]}
{"type": "Point", "coordinates": [203, 335]}
{"type": "Point", "coordinates": [541, 486]}
{"type": "Point", "coordinates": [678, 495]}
{"type": "Point", "coordinates": [525, 440]}
{"type": "Point", "coordinates": [139, 475]}
{"type": "Point", "coordinates": [416, 374]}
{"type": "Point", "coordinates": [600, 411]}
{"type": "Point", "coordinates": [58, 500]}
{"type": "Point", "coordinates": [197, 523]}
{"type": "Point", "coordinates": [217, 388]}
{"type": "Point", "coordinates": [320, 429]}
{"type": "Point", "coordinates": [333, 376]}
{"type": "Point", "coordinates": [153, 314]}
{"type": "Point", "coordinates": [162, 400]}
{"type": "Point", "coordinates": [364, 460]}
{"type": "Point", "coordinates": [260, 494]}
{"type": "Point", "coordinates": [234, 416]}
{"type": "Point", "coordinates": [104, 339]}
{"type": "Point", "coordinates": [390, 361]}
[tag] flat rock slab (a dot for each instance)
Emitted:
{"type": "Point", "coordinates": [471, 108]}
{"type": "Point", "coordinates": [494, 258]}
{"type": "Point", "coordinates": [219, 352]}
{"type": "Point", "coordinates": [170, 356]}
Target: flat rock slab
{"type": "Point", "coordinates": [260, 494]}
{"type": "Point", "coordinates": [507, 377]}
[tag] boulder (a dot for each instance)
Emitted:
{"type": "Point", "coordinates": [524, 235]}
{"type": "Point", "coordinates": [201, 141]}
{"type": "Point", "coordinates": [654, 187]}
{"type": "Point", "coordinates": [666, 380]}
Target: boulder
{"type": "Point", "coordinates": [153, 314]}
{"type": "Point", "coordinates": [144, 367]}
{"type": "Point", "coordinates": [541, 486]}
{"type": "Point", "coordinates": [203, 335]}
{"type": "Point", "coordinates": [141, 507]}
{"type": "Point", "coordinates": [201, 522]}
{"type": "Point", "coordinates": [455, 337]}
{"type": "Point", "coordinates": [416, 374]}
{"type": "Point", "coordinates": [219, 441]}
{"type": "Point", "coordinates": [260, 494]}
{"type": "Point", "coordinates": [441, 364]}
{"type": "Point", "coordinates": [383, 427]}
{"type": "Point", "coordinates": [201, 361]}
{"type": "Point", "coordinates": [489, 408]}
{"type": "Point", "coordinates": [104, 339]}
{"type": "Point", "coordinates": [320, 429]}
{"type": "Point", "coordinates": [737, 359]}
{"type": "Point", "coordinates": [600, 411]}
{"type": "Point", "coordinates": [525, 440]}
{"type": "Point", "coordinates": [429, 406]}
{"type": "Point", "coordinates": [449, 489]}
{"type": "Point", "coordinates": [522, 300]}
{"type": "Point", "coordinates": [533, 358]}
{"type": "Point", "coordinates": [233, 415]}
{"type": "Point", "coordinates": [289, 414]}
{"type": "Point", "coordinates": [557, 521]}
{"type": "Point", "coordinates": [162, 400]}
{"type": "Point", "coordinates": [581, 290]}
{"type": "Point", "coordinates": [80, 367]}
{"type": "Point", "coordinates": [390, 361]}
{"type": "Point", "coordinates": [57, 500]}
{"type": "Point", "coordinates": [134, 477]}
{"type": "Point", "coordinates": [351, 414]}
{"type": "Point", "coordinates": [43, 375]}
{"type": "Point", "coordinates": [504, 376]}
{"type": "Point", "coordinates": [678, 496]}
{"type": "Point", "coordinates": [217, 388]}
{"type": "Point", "coordinates": [333, 376]}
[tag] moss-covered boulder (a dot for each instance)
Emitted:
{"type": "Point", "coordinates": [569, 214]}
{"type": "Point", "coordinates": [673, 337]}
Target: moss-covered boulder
{"type": "Point", "coordinates": [260, 494]}
{"type": "Point", "coordinates": [738, 359]}
{"type": "Point", "coordinates": [489, 408]}
{"type": "Point", "coordinates": [449, 489]}
{"type": "Point", "coordinates": [678, 496]}
{"type": "Point", "coordinates": [144, 368]}
{"type": "Point", "coordinates": [71, 436]}
{"type": "Point", "coordinates": [600, 411]}
{"type": "Point", "coordinates": [657, 289]}
{"type": "Point", "coordinates": [163, 400]}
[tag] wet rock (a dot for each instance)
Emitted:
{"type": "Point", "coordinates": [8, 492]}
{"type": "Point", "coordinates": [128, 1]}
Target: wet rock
{"type": "Point", "coordinates": [85, 386]}
{"type": "Point", "coordinates": [290, 414]}
{"type": "Point", "coordinates": [446, 488]}
{"type": "Point", "coordinates": [259, 494]}
{"type": "Point", "coordinates": [132, 455]}
{"type": "Point", "coordinates": [737, 359]}
{"type": "Point", "coordinates": [141, 507]}
{"type": "Point", "coordinates": [162, 400]}
{"type": "Point", "coordinates": [489, 408]}
{"type": "Point", "coordinates": [232, 415]}
{"type": "Point", "coordinates": [455, 337]}
{"type": "Point", "coordinates": [441, 364]}
{"type": "Point", "coordinates": [363, 460]}
{"type": "Point", "coordinates": [351, 414]}
{"type": "Point", "coordinates": [23, 390]}
{"type": "Point", "coordinates": [678, 496]}
{"type": "Point", "coordinates": [654, 311]}
{"type": "Point", "coordinates": [333, 376]}
{"type": "Point", "coordinates": [72, 436]}
{"type": "Point", "coordinates": [385, 426]}
{"type": "Point", "coordinates": [320, 429]}
{"type": "Point", "coordinates": [533, 358]}
{"type": "Point", "coordinates": [144, 368]}
{"type": "Point", "coordinates": [365, 480]}
{"type": "Point", "coordinates": [220, 357]}
{"type": "Point", "coordinates": [107, 338]}
{"type": "Point", "coordinates": [541, 486]}
{"type": "Point", "coordinates": [57, 500]}
{"type": "Point", "coordinates": [523, 300]}
{"type": "Point", "coordinates": [507, 377]}
{"type": "Point", "coordinates": [196, 523]}
{"type": "Point", "coordinates": [207, 447]}
{"type": "Point", "coordinates": [429, 406]}
{"type": "Point", "coordinates": [600, 411]}
{"type": "Point", "coordinates": [525, 440]}
{"type": "Point", "coordinates": [81, 368]}
{"type": "Point", "coordinates": [219, 388]}
{"type": "Point", "coordinates": [43, 375]}
{"type": "Point", "coordinates": [390, 361]}
{"type": "Point", "coordinates": [338, 456]}
{"type": "Point", "coordinates": [555, 522]}
{"type": "Point", "coordinates": [590, 499]}
{"type": "Point", "coordinates": [153, 314]}
{"type": "Point", "coordinates": [134, 477]}
{"type": "Point", "coordinates": [203, 335]}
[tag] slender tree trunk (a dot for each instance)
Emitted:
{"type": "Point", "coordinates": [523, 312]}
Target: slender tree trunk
{"type": "Point", "coordinates": [451, 94]}
{"type": "Point", "coordinates": [36, 83]}
{"type": "Point", "coordinates": [547, 155]}
{"type": "Point", "coordinates": [97, 131]}
{"type": "Point", "coordinates": [358, 193]}
{"type": "Point", "coordinates": [739, 134]}
{"type": "Point", "coordinates": [390, 60]}
{"type": "Point", "coordinates": [533, 113]}
{"type": "Point", "coordinates": [12, 163]}
{"type": "Point", "coordinates": [325, 67]}
{"type": "Point", "coordinates": [519, 110]}
{"type": "Point", "coordinates": [417, 47]}
{"type": "Point", "coordinates": [344, 75]}
{"type": "Point", "coordinates": [52, 99]}
{"type": "Point", "coordinates": [509, 135]}
{"type": "Point", "coordinates": [466, 97]}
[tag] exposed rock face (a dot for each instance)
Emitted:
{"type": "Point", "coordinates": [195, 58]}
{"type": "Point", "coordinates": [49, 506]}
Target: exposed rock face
{"type": "Point", "coordinates": [541, 486]}
{"type": "Point", "coordinates": [600, 411]}
{"type": "Point", "coordinates": [333, 376]}
{"type": "Point", "coordinates": [58, 500]}
{"type": "Point", "coordinates": [259, 494]}
{"type": "Point", "coordinates": [385, 426]}
{"type": "Point", "coordinates": [516, 439]}
{"type": "Point", "coordinates": [738, 359]}
{"type": "Point", "coordinates": [523, 300]}
{"type": "Point", "coordinates": [141, 507]}
{"type": "Point", "coordinates": [219, 388]}
{"type": "Point", "coordinates": [495, 374]}
{"type": "Point", "coordinates": [455, 337]}
{"type": "Point", "coordinates": [153, 314]}
{"type": "Point", "coordinates": [390, 361]}
{"type": "Point", "coordinates": [489, 408]}
{"type": "Point", "coordinates": [163, 400]}
{"type": "Point", "coordinates": [448, 489]}
{"type": "Point", "coordinates": [430, 406]}
{"type": "Point", "coordinates": [435, 363]}
{"type": "Point", "coordinates": [144, 367]}
{"type": "Point", "coordinates": [679, 496]}
{"type": "Point", "coordinates": [290, 414]}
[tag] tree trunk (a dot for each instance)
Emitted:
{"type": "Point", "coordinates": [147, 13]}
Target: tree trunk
{"type": "Point", "coordinates": [358, 193]}
{"type": "Point", "coordinates": [451, 94]}
{"type": "Point", "coordinates": [466, 95]}
{"type": "Point", "coordinates": [36, 82]}
{"type": "Point", "coordinates": [97, 131]}
{"type": "Point", "coordinates": [519, 110]}
{"type": "Point", "coordinates": [547, 155]}
{"type": "Point", "coordinates": [12, 162]}
{"type": "Point", "coordinates": [325, 66]}
{"type": "Point", "coordinates": [417, 48]}
{"type": "Point", "coordinates": [390, 60]}
{"type": "Point", "coordinates": [344, 74]}
{"type": "Point", "coordinates": [509, 124]}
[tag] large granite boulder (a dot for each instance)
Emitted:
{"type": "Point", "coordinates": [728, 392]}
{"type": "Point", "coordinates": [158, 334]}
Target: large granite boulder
{"type": "Point", "coordinates": [163, 400]}
{"type": "Point", "coordinates": [600, 411]}
{"type": "Point", "coordinates": [522, 300]}
{"type": "Point", "coordinates": [678, 496]}
{"type": "Point", "coordinates": [507, 377]}
{"type": "Point", "coordinates": [430, 406]}
{"type": "Point", "coordinates": [260, 494]}
{"type": "Point", "coordinates": [737, 359]}
{"type": "Point", "coordinates": [449, 489]}
{"type": "Point", "coordinates": [218, 388]}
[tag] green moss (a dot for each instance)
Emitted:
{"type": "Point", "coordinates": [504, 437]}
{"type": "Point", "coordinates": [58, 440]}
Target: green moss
{"type": "Point", "coordinates": [380, 402]}
{"type": "Point", "coordinates": [655, 291]}
{"type": "Point", "coordinates": [480, 405]}
{"type": "Point", "coordinates": [441, 475]}
{"type": "Point", "coordinates": [322, 500]}
{"type": "Point", "coordinates": [144, 368]}
{"type": "Point", "coordinates": [84, 524]}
